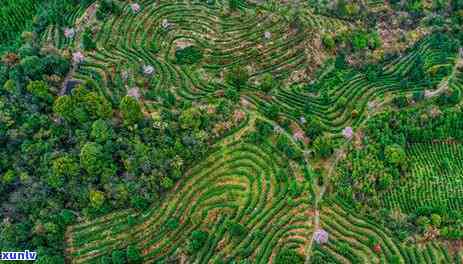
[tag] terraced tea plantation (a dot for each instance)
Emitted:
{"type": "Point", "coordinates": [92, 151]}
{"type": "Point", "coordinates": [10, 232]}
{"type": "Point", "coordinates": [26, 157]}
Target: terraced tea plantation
{"type": "Point", "coordinates": [235, 186]}
{"type": "Point", "coordinates": [435, 179]}
{"type": "Point", "coordinates": [262, 42]}
{"type": "Point", "coordinates": [231, 131]}
{"type": "Point", "coordinates": [359, 240]}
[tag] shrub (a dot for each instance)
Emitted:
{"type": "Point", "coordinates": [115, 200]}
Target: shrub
{"type": "Point", "coordinates": [92, 158]}
{"type": "Point", "coordinates": [267, 83]}
{"type": "Point", "coordinates": [65, 166]}
{"type": "Point", "coordinates": [88, 42]}
{"type": "Point", "coordinates": [131, 110]}
{"type": "Point", "coordinates": [172, 223]}
{"type": "Point", "coordinates": [55, 64]}
{"type": "Point", "coordinates": [188, 55]}
{"type": "Point", "coordinates": [108, 7]}
{"type": "Point", "coordinates": [359, 41]}
{"type": "Point", "coordinates": [134, 254]}
{"type": "Point", "coordinates": [400, 101]}
{"type": "Point", "coordinates": [64, 107]}
{"type": "Point", "coordinates": [323, 147]}
{"type": "Point", "coordinates": [97, 199]}
{"type": "Point", "coordinates": [328, 42]}
{"type": "Point", "coordinates": [190, 119]}
{"type": "Point", "coordinates": [32, 67]}
{"type": "Point", "coordinates": [9, 177]}
{"type": "Point", "coordinates": [40, 90]}
{"type": "Point", "coordinates": [436, 220]}
{"type": "Point", "coordinates": [101, 131]}
{"type": "Point", "coordinates": [234, 4]}
{"type": "Point", "coordinates": [197, 240]}
{"type": "Point", "coordinates": [395, 155]}
{"type": "Point", "coordinates": [236, 229]}
{"type": "Point", "coordinates": [237, 76]}
{"type": "Point", "coordinates": [118, 257]}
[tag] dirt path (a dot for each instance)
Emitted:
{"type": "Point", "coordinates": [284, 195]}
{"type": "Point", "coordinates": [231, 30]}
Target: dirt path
{"type": "Point", "coordinates": [444, 84]}
{"type": "Point", "coordinates": [83, 21]}
{"type": "Point", "coordinates": [320, 191]}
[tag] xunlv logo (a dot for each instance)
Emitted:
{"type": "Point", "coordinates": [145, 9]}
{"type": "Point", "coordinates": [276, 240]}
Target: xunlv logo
{"type": "Point", "coordinates": [21, 255]}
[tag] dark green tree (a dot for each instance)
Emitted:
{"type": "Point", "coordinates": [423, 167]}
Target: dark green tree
{"type": "Point", "coordinates": [198, 239]}
{"type": "Point", "coordinates": [118, 257]}
{"type": "Point", "coordinates": [88, 41]}
{"type": "Point", "coordinates": [237, 76]}
{"type": "Point", "coordinates": [134, 254]}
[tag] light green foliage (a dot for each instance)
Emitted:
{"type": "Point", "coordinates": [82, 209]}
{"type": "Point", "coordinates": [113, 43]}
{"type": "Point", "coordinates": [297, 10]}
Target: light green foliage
{"type": "Point", "coordinates": [131, 110]}
{"type": "Point", "coordinates": [10, 86]}
{"type": "Point", "coordinates": [395, 155]}
{"type": "Point", "coordinates": [97, 199]}
{"type": "Point", "coordinates": [82, 105]}
{"type": "Point", "coordinates": [436, 220]}
{"type": "Point", "coordinates": [65, 166]}
{"type": "Point", "coordinates": [268, 83]}
{"type": "Point", "coordinates": [101, 131]}
{"type": "Point", "coordinates": [328, 42]}
{"type": "Point", "coordinates": [167, 183]}
{"type": "Point", "coordinates": [92, 158]}
{"type": "Point", "coordinates": [41, 90]}
{"type": "Point", "coordinates": [9, 177]}
{"type": "Point", "coordinates": [190, 118]}
{"type": "Point", "coordinates": [63, 106]}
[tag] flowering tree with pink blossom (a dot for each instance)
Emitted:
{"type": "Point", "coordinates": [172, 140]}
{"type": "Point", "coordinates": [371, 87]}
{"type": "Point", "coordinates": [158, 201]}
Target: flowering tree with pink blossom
{"type": "Point", "coordinates": [348, 133]}
{"type": "Point", "coordinates": [135, 7]}
{"type": "Point", "coordinates": [78, 57]}
{"type": "Point", "coordinates": [69, 32]}
{"type": "Point", "coordinates": [299, 135]}
{"type": "Point", "coordinates": [148, 70]}
{"type": "Point", "coordinates": [165, 24]}
{"type": "Point", "coordinates": [320, 236]}
{"type": "Point", "coordinates": [267, 35]}
{"type": "Point", "coordinates": [238, 115]}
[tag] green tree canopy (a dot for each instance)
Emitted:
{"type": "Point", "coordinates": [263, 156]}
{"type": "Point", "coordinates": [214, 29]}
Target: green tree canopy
{"type": "Point", "coordinates": [101, 131]}
{"type": "Point", "coordinates": [92, 158]}
{"type": "Point", "coordinates": [40, 90]}
{"type": "Point", "coordinates": [190, 118]}
{"type": "Point", "coordinates": [131, 110]}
